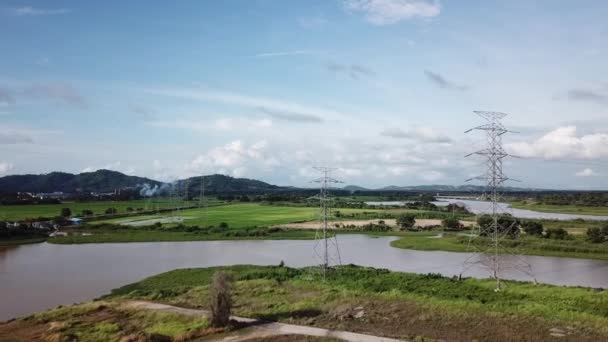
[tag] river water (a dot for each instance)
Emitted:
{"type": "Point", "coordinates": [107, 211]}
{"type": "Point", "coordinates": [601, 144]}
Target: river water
{"type": "Point", "coordinates": [41, 276]}
{"type": "Point", "coordinates": [482, 207]}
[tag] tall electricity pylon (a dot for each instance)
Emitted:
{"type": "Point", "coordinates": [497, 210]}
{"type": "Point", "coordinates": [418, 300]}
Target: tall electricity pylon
{"type": "Point", "coordinates": [326, 248]}
{"type": "Point", "coordinates": [492, 255]}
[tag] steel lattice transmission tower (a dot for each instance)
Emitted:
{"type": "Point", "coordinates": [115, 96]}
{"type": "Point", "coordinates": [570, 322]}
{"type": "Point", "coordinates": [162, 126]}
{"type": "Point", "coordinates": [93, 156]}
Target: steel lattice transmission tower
{"type": "Point", "coordinates": [326, 248]}
{"type": "Point", "coordinates": [495, 255]}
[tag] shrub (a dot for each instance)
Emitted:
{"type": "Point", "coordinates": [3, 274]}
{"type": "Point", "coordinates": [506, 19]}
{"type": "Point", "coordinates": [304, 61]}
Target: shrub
{"type": "Point", "coordinates": [111, 211]}
{"type": "Point", "coordinates": [223, 225]}
{"type": "Point", "coordinates": [451, 223]}
{"type": "Point", "coordinates": [66, 212]}
{"type": "Point", "coordinates": [595, 235]}
{"type": "Point", "coordinates": [507, 225]}
{"type": "Point", "coordinates": [220, 299]}
{"type": "Point", "coordinates": [556, 233]}
{"type": "Point", "coordinates": [533, 228]}
{"type": "Point", "coordinates": [406, 221]}
{"type": "Point", "coordinates": [87, 212]}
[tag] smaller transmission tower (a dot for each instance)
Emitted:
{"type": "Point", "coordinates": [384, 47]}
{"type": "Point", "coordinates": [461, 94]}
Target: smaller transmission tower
{"type": "Point", "coordinates": [326, 248]}
{"type": "Point", "coordinates": [493, 255]}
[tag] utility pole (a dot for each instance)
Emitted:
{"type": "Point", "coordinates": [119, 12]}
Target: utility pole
{"type": "Point", "coordinates": [326, 248]}
{"type": "Point", "coordinates": [494, 178]}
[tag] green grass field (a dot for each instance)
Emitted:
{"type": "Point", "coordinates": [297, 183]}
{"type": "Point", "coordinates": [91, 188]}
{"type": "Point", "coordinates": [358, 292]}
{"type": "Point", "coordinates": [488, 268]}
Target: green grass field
{"type": "Point", "coordinates": [563, 209]}
{"type": "Point", "coordinates": [21, 212]}
{"type": "Point", "coordinates": [239, 215]}
{"type": "Point", "coordinates": [576, 248]}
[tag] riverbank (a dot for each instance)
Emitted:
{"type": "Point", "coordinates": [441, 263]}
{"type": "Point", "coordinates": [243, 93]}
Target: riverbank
{"type": "Point", "coordinates": [357, 299]}
{"type": "Point", "coordinates": [560, 209]}
{"type": "Point", "coordinates": [424, 241]}
{"type": "Point", "coordinates": [24, 241]}
{"type": "Point", "coordinates": [526, 245]}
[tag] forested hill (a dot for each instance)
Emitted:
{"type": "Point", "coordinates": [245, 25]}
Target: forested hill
{"type": "Point", "coordinates": [221, 184]}
{"type": "Point", "coordinates": [98, 181]}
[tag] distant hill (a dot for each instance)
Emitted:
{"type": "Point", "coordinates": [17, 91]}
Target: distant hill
{"type": "Point", "coordinates": [98, 181]}
{"type": "Point", "coordinates": [221, 184]}
{"type": "Point", "coordinates": [355, 188]}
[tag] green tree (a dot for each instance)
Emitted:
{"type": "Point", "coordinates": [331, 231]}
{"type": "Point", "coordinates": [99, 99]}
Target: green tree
{"type": "Point", "coordinates": [595, 235]}
{"type": "Point", "coordinates": [533, 228]}
{"type": "Point", "coordinates": [507, 225]}
{"type": "Point", "coordinates": [66, 212]}
{"type": "Point", "coordinates": [87, 212]}
{"type": "Point", "coordinates": [406, 221]}
{"type": "Point", "coordinates": [451, 223]}
{"type": "Point", "coordinates": [111, 211]}
{"type": "Point", "coordinates": [556, 233]}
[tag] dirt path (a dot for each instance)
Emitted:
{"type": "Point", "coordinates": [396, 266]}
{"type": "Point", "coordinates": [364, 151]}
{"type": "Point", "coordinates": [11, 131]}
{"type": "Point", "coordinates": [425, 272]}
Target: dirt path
{"type": "Point", "coordinates": [262, 329]}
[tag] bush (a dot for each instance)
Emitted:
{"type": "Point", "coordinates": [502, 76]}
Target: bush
{"type": "Point", "coordinates": [66, 212]}
{"type": "Point", "coordinates": [507, 225]}
{"type": "Point", "coordinates": [87, 212]}
{"type": "Point", "coordinates": [596, 235]}
{"type": "Point", "coordinates": [406, 221]}
{"type": "Point", "coordinates": [223, 225]}
{"type": "Point", "coordinates": [111, 211]}
{"type": "Point", "coordinates": [220, 299]}
{"type": "Point", "coordinates": [533, 228]}
{"type": "Point", "coordinates": [451, 223]}
{"type": "Point", "coordinates": [556, 233]}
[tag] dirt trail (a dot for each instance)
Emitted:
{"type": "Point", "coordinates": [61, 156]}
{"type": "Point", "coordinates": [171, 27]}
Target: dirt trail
{"type": "Point", "coordinates": [262, 329]}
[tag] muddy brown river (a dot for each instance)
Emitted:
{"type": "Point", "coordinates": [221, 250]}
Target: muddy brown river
{"type": "Point", "coordinates": [42, 276]}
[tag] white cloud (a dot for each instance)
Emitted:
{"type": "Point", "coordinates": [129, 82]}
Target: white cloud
{"type": "Point", "coordinates": [586, 173]}
{"type": "Point", "coordinates": [563, 142]}
{"type": "Point", "coordinates": [422, 134]}
{"type": "Point", "coordinates": [234, 158]}
{"type": "Point", "coordinates": [253, 102]}
{"type": "Point", "coordinates": [386, 12]}
{"type": "Point", "coordinates": [5, 167]}
{"type": "Point", "coordinates": [223, 124]}
{"type": "Point", "coordinates": [32, 11]}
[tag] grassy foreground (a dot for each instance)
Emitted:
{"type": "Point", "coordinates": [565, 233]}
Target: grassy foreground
{"type": "Point", "coordinates": [372, 301]}
{"type": "Point", "coordinates": [576, 248]}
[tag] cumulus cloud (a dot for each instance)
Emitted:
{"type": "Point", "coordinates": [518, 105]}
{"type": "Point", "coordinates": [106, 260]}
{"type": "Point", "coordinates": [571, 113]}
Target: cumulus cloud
{"type": "Point", "coordinates": [354, 71]}
{"type": "Point", "coordinates": [386, 12]}
{"type": "Point", "coordinates": [234, 158]}
{"type": "Point", "coordinates": [586, 173]}
{"type": "Point", "coordinates": [422, 134]}
{"type": "Point", "coordinates": [5, 167]}
{"type": "Point", "coordinates": [442, 82]}
{"type": "Point", "coordinates": [32, 11]}
{"type": "Point", "coordinates": [563, 142]}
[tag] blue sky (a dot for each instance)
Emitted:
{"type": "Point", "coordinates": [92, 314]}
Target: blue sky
{"type": "Point", "coordinates": [382, 89]}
